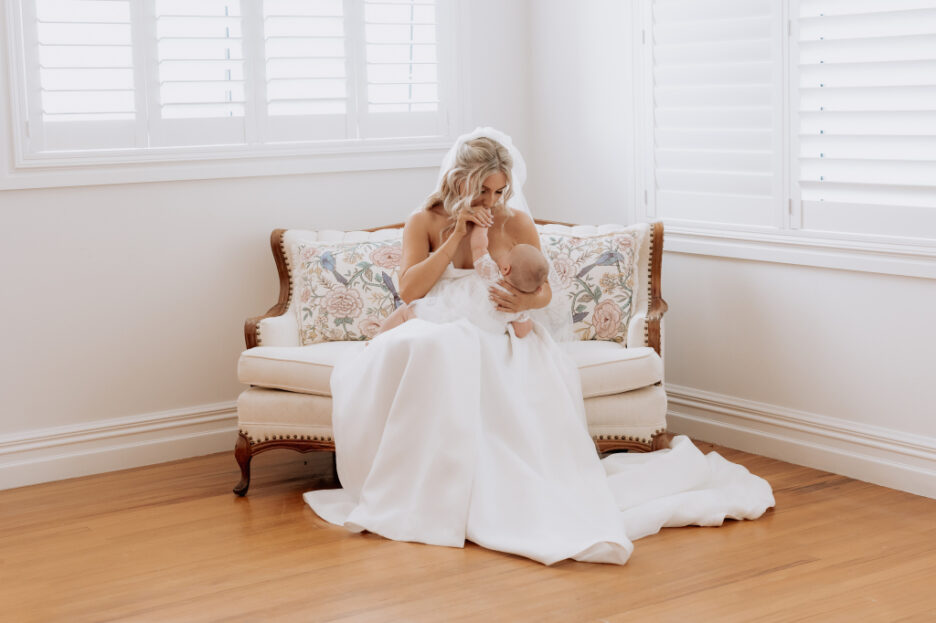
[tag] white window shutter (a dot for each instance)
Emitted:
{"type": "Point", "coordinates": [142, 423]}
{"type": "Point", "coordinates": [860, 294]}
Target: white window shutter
{"type": "Point", "coordinates": [80, 75]}
{"type": "Point", "coordinates": [306, 70]}
{"type": "Point", "coordinates": [137, 78]}
{"type": "Point", "coordinates": [714, 95]}
{"type": "Point", "coordinates": [867, 116]}
{"type": "Point", "coordinates": [401, 91]}
{"type": "Point", "coordinates": [199, 73]}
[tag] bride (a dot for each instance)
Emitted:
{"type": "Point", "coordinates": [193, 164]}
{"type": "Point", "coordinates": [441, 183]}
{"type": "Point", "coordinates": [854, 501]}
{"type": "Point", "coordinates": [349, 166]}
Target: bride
{"type": "Point", "coordinates": [446, 432]}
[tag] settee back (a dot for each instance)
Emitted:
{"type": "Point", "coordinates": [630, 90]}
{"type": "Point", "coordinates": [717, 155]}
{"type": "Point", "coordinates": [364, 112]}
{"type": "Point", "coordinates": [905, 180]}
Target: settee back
{"type": "Point", "coordinates": [279, 325]}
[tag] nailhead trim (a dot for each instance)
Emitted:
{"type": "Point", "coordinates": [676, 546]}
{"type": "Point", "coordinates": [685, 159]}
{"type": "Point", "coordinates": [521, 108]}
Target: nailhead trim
{"type": "Point", "coordinates": [298, 437]}
{"type": "Point", "coordinates": [288, 262]}
{"type": "Point", "coordinates": [628, 437]}
{"type": "Point", "coordinates": [649, 291]}
{"type": "Point", "coordinates": [295, 436]}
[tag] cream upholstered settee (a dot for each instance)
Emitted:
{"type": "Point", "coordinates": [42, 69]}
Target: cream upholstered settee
{"type": "Point", "coordinates": [288, 402]}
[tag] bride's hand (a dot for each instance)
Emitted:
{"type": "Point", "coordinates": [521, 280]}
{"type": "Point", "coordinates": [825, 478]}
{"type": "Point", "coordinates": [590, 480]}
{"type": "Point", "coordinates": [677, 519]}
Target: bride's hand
{"type": "Point", "coordinates": [514, 300]}
{"type": "Point", "coordinates": [473, 214]}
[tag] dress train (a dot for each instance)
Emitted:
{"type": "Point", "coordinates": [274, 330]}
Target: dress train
{"type": "Point", "coordinates": [446, 432]}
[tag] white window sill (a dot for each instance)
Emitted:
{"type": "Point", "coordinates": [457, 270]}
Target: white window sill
{"type": "Point", "coordinates": [200, 164]}
{"type": "Point", "coordinates": [805, 249]}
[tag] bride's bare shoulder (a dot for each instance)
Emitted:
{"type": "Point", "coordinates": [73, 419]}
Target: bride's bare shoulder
{"type": "Point", "coordinates": [424, 219]}
{"type": "Point", "coordinates": [520, 220]}
{"type": "Point", "coordinates": [424, 225]}
{"type": "Point", "coordinates": [427, 217]}
{"type": "Point", "coordinates": [521, 228]}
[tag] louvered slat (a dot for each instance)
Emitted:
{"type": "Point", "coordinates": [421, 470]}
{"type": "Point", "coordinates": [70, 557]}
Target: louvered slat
{"type": "Point", "coordinates": [85, 60]}
{"type": "Point", "coordinates": [867, 109]}
{"type": "Point", "coordinates": [305, 57]}
{"type": "Point", "coordinates": [200, 59]}
{"type": "Point", "coordinates": [401, 51]}
{"type": "Point", "coordinates": [715, 85]}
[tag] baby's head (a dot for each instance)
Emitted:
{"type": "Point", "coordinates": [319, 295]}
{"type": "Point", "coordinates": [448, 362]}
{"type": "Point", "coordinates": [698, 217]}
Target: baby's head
{"type": "Point", "coordinates": [525, 268]}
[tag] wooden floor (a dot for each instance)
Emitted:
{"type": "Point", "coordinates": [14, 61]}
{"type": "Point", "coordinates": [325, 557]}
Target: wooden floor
{"type": "Point", "coordinates": [171, 542]}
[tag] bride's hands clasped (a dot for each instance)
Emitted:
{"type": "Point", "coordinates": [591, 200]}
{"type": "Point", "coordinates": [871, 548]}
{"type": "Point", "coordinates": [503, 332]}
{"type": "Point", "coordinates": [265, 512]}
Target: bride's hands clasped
{"type": "Point", "coordinates": [473, 214]}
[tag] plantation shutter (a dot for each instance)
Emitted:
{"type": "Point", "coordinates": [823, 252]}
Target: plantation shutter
{"type": "Point", "coordinates": [400, 89]}
{"type": "Point", "coordinates": [200, 73]}
{"type": "Point", "coordinates": [80, 77]}
{"type": "Point", "coordinates": [103, 75]}
{"type": "Point", "coordinates": [307, 70]}
{"type": "Point", "coordinates": [715, 97]}
{"type": "Point", "coordinates": [867, 116]}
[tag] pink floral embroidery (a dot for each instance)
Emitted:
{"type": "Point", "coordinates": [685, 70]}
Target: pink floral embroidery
{"type": "Point", "coordinates": [343, 302]}
{"type": "Point", "coordinates": [388, 256]}
{"type": "Point", "coordinates": [565, 269]}
{"type": "Point", "coordinates": [607, 319]}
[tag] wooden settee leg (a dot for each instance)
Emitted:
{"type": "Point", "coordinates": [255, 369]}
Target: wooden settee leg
{"type": "Point", "coordinates": [243, 455]}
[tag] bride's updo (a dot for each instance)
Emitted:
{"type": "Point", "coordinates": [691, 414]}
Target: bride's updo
{"type": "Point", "coordinates": [475, 160]}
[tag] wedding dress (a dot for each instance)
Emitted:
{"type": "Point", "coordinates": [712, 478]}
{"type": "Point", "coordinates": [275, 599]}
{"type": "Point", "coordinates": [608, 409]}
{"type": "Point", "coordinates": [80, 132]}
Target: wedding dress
{"type": "Point", "coordinates": [446, 431]}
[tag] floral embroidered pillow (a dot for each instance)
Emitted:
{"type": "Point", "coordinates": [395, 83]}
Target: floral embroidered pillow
{"type": "Point", "coordinates": [598, 274]}
{"type": "Point", "coordinates": [345, 290]}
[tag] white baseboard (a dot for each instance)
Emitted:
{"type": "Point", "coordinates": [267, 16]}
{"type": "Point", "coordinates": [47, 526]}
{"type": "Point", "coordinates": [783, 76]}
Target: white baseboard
{"type": "Point", "coordinates": [873, 454]}
{"type": "Point", "coordinates": [68, 451]}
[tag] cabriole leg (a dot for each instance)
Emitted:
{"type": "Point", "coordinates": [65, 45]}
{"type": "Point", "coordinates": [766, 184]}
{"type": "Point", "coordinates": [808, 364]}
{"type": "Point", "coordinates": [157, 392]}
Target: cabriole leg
{"type": "Point", "coordinates": [243, 455]}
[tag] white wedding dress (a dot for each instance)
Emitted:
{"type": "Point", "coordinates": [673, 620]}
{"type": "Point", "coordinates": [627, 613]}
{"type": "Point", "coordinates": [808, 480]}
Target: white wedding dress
{"type": "Point", "coordinates": [447, 431]}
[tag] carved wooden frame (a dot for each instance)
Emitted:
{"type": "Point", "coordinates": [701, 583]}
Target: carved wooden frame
{"type": "Point", "coordinates": [244, 450]}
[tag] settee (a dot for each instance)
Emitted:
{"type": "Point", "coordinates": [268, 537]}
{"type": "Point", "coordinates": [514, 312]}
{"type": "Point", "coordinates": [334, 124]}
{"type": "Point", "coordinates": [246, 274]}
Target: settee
{"type": "Point", "coordinates": [291, 349]}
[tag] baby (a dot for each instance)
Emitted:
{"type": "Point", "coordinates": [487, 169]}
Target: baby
{"type": "Point", "coordinates": [524, 267]}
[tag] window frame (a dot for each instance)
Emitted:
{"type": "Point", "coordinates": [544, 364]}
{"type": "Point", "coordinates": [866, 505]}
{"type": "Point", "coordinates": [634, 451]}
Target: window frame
{"type": "Point", "coordinates": [787, 242]}
{"type": "Point", "coordinates": [20, 170]}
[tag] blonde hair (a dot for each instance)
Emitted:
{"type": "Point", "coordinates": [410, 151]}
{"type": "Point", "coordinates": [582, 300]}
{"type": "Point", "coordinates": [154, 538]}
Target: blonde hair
{"type": "Point", "coordinates": [475, 160]}
{"type": "Point", "coordinates": [528, 267]}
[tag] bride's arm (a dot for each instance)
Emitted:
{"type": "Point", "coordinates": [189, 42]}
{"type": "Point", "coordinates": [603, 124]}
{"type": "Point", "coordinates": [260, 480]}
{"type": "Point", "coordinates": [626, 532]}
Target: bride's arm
{"type": "Point", "coordinates": [519, 301]}
{"type": "Point", "coordinates": [419, 270]}
{"type": "Point", "coordinates": [523, 231]}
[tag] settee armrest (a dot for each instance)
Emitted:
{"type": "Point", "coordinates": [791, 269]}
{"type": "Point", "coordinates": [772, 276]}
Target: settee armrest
{"type": "Point", "coordinates": [252, 326]}
{"type": "Point", "coordinates": [646, 326]}
{"type": "Point", "coordinates": [638, 333]}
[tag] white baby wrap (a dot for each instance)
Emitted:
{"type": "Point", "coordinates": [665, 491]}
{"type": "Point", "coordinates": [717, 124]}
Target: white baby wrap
{"type": "Point", "coordinates": [463, 293]}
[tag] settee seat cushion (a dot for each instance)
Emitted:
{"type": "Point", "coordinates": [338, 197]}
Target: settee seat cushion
{"type": "Point", "coordinates": [303, 369]}
{"type": "Point", "coordinates": [606, 368]}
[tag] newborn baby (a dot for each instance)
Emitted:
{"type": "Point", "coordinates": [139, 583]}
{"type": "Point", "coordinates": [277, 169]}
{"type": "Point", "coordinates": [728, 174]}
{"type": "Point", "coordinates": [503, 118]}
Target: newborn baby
{"type": "Point", "coordinates": [524, 267]}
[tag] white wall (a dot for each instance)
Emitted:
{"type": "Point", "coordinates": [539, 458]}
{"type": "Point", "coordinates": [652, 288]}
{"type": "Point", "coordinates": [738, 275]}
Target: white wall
{"type": "Point", "coordinates": [581, 111]}
{"type": "Point", "coordinates": [123, 305]}
{"type": "Point", "coordinates": [829, 368]}
{"type": "Point", "coordinates": [833, 342]}
{"type": "Point", "coordinates": [150, 285]}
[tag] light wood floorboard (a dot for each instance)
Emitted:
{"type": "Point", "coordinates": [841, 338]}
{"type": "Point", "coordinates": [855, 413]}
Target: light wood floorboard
{"type": "Point", "coordinates": [170, 542]}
